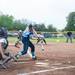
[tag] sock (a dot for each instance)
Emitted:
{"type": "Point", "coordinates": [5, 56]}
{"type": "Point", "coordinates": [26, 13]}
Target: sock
{"type": "Point", "coordinates": [33, 55]}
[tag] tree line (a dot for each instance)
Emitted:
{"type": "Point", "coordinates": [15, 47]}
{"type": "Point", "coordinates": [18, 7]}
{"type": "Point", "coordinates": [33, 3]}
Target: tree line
{"type": "Point", "coordinates": [70, 22]}
{"type": "Point", "coordinates": [12, 24]}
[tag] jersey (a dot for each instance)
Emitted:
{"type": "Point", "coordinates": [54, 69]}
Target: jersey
{"type": "Point", "coordinates": [41, 36]}
{"type": "Point", "coordinates": [1, 32]}
{"type": "Point", "coordinates": [69, 34]}
{"type": "Point", "coordinates": [26, 35]}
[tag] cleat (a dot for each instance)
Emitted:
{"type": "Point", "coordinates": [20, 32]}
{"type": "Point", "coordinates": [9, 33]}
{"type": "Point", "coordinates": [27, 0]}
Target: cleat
{"type": "Point", "coordinates": [35, 58]}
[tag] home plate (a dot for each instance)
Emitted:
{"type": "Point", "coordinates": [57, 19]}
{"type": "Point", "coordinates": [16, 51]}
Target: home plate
{"type": "Point", "coordinates": [42, 64]}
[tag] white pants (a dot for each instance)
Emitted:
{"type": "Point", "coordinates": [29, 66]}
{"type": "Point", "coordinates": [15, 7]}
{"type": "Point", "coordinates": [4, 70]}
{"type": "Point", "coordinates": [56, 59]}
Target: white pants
{"type": "Point", "coordinates": [3, 40]}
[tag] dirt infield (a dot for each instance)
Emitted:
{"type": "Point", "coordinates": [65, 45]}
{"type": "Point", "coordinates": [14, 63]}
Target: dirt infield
{"type": "Point", "coordinates": [56, 59]}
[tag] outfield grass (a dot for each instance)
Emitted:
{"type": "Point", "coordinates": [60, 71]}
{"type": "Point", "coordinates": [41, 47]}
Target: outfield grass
{"type": "Point", "coordinates": [57, 39]}
{"type": "Point", "coordinates": [14, 39]}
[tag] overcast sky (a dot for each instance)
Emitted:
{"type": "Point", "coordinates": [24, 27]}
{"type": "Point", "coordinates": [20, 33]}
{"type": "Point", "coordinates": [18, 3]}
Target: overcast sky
{"type": "Point", "coordinates": [40, 11]}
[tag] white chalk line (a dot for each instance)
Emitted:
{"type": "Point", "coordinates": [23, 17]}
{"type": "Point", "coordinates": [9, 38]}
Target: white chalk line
{"type": "Point", "coordinates": [48, 70]}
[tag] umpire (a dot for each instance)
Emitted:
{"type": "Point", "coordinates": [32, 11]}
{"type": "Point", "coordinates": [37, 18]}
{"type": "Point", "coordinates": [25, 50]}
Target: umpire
{"type": "Point", "coordinates": [69, 36]}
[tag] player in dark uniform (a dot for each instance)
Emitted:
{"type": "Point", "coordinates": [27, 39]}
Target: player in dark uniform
{"type": "Point", "coordinates": [69, 36]}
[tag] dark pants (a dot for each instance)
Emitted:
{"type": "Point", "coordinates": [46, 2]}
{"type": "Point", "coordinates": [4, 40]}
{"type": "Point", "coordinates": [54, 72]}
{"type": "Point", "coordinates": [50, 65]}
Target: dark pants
{"type": "Point", "coordinates": [69, 38]}
{"type": "Point", "coordinates": [27, 43]}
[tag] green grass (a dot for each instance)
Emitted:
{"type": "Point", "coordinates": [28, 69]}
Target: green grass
{"type": "Point", "coordinates": [14, 39]}
{"type": "Point", "coordinates": [57, 39]}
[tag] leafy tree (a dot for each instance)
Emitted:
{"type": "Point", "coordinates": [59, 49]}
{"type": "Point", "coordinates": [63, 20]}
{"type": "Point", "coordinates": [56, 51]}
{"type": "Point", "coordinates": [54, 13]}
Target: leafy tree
{"type": "Point", "coordinates": [40, 27]}
{"type": "Point", "coordinates": [70, 22]}
{"type": "Point", "coordinates": [50, 28]}
{"type": "Point", "coordinates": [18, 25]}
{"type": "Point", "coordinates": [6, 21]}
{"type": "Point", "coordinates": [11, 24]}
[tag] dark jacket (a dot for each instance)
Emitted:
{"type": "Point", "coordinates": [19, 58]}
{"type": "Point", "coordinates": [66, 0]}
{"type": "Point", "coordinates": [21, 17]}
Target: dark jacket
{"type": "Point", "coordinates": [3, 33]}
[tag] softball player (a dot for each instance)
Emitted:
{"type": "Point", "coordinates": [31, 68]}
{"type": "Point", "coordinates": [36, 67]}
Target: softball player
{"type": "Point", "coordinates": [19, 38]}
{"type": "Point", "coordinates": [27, 43]}
{"type": "Point", "coordinates": [41, 38]}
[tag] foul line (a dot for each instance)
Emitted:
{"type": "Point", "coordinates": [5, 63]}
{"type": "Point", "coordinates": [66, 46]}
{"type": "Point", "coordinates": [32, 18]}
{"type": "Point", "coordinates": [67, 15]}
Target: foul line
{"type": "Point", "coordinates": [42, 71]}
